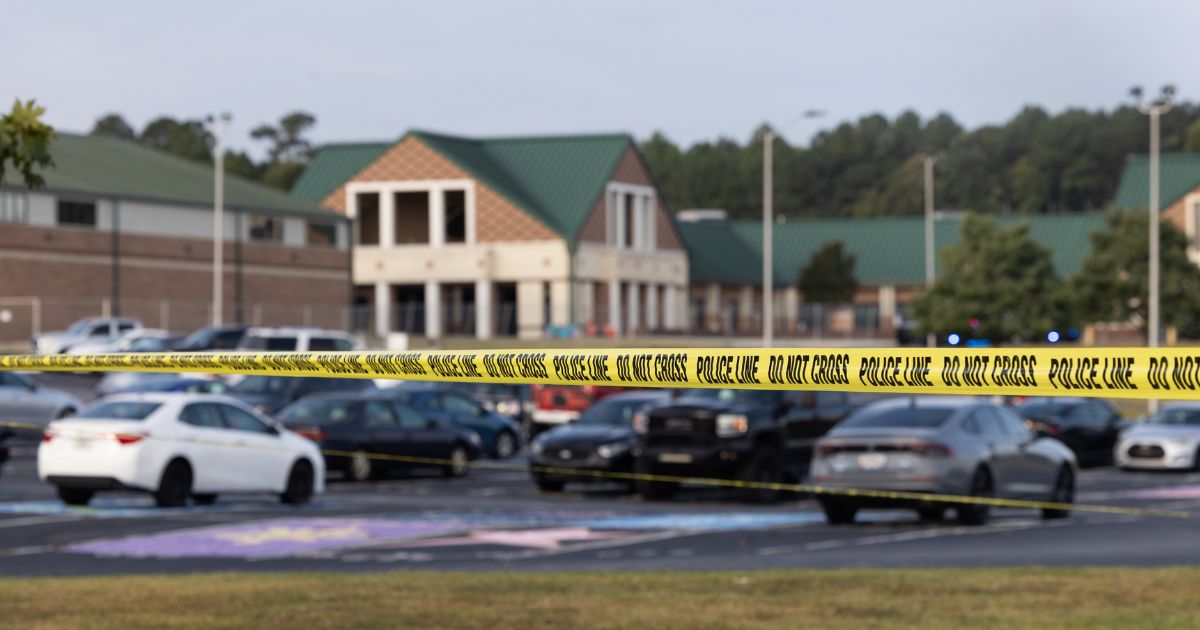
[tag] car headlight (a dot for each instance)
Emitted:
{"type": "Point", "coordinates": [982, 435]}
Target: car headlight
{"type": "Point", "coordinates": [732, 425]}
{"type": "Point", "coordinates": [640, 422]}
{"type": "Point", "coordinates": [611, 450]}
{"type": "Point", "coordinates": [508, 407]}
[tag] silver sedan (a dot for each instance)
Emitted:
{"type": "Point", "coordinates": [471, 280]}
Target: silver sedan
{"type": "Point", "coordinates": [1168, 440]}
{"type": "Point", "coordinates": [25, 402]}
{"type": "Point", "coordinates": [940, 445]}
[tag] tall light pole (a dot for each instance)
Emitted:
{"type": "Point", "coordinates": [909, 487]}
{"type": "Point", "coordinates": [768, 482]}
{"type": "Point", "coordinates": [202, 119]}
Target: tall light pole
{"type": "Point", "coordinates": [1154, 110]}
{"type": "Point", "coordinates": [768, 289]}
{"type": "Point", "coordinates": [929, 160]}
{"type": "Point", "coordinates": [217, 126]}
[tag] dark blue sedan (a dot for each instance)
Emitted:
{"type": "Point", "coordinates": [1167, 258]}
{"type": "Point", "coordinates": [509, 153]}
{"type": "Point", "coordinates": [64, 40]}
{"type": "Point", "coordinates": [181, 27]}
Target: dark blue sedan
{"type": "Point", "coordinates": [500, 434]}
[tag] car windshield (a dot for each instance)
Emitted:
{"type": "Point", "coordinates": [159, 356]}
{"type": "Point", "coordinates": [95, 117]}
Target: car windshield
{"type": "Point", "coordinates": [900, 417]}
{"type": "Point", "coordinates": [616, 413]}
{"type": "Point", "coordinates": [118, 410]}
{"type": "Point", "coordinates": [1178, 416]}
{"type": "Point", "coordinates": [200, 338]}
{"type": "Point", "coordinates": [80, 327]}
{"type": "Point", "coordinates": [762, 397]}
{"type": "Point", "coordinates": [259, 342]}
{"type": "Point", "coordinates": [258, 384]}
{"type": "Point", "coordinates": [319, 412]}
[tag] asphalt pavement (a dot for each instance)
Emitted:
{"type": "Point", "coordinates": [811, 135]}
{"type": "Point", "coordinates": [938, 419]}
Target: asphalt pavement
{"type": "Point", "coordinates": [496, 520]}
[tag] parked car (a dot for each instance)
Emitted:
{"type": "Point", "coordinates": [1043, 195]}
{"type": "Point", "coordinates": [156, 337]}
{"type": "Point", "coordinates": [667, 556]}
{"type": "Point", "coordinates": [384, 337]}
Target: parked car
{"type": "Point", "coordinates": [559, 404]}
{"type": "Point", "coordinates": [23, 400]}
{"type": "Point", "coordinates": [113, 382]}
{"type": "Point", "coordinates": [500, 434]}
{"type": "Point", "coordinates": [177, 447]}
{"type": "Point", "coordinates": [368, 424]}
{"type": "Point", "coordinates": [942, 445]}
{"type": "Point", "coordinates": [136, 340]}
{"type": "Point", "coordinates": [751, 435]}
{"type": "Point", "coordinates": [298, 339]}
{"type": "Point", "coordinates": [269, 394]}
{"type": "Point", "coordinates": [88, 329]}
{"type": "Point", "coordinates": [212, 338]}
{"type": "Point", "coordinates": [1167, 440]}
{"type": "Point", "coordinates": [1088, 426]}
{"type": "Point", "coordinates": [511, 401]}
{"type": "Point", "coordinates": [173, 383]}
{"type": "Point", "coordinates": [601, 440]}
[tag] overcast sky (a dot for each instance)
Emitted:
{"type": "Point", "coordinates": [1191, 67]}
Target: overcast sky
{"type": "Point", "coordinates": [695, 70]}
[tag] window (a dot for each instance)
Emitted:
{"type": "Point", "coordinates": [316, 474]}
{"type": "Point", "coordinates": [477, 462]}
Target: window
{"type": "Point", "coordinates": [456, 215]}
{"type": "Point", "coordinates": [324, 344]}
{"type": "Point", "coordinates": [118, 411]}
{"type": "Point", "coordinates": [321, 235]}
{"type": "Point", "coordinates": [258, 342]}
{"type": "Point", "coordinates": [411, 222]}
{"type": "Point", "coordinates": [14, 207]}
{"type": "Point", "coordinates": [77, 213]}
{"type": "Point", "coordinates": [227, 340]}
{"type": "Point", "coordinates": [455, 404]}
{"type": "Point", "coordinates": [990, 422]}
{"type": "Point", "coordinates": [240, 420]}
{"type": "Point", "coordinates": [8, 379]}
{"type": "Point", "coordinates": [378, 415]}
{"type": "Point", "coordinates": [320, 412]}
{"type": "Point", "coordinates": [266, 229]}
{"type": "Point", "coordinates": [1090, 414]}
{"type": "Point", "coordinates": [205, 415]}
{"type": "Point", "coordinates": [1013, 425]}
{"type": "Point", "coordinates": [368, 218]}
{"type": "Point", "coordinates": [409, 417]}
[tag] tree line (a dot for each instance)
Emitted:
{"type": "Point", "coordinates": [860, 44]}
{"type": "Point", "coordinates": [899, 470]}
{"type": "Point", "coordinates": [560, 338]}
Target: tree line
{"type": "Point", "coordinates": [288, 150]}
{"type": "Point", "coordinates": [1035, 162]}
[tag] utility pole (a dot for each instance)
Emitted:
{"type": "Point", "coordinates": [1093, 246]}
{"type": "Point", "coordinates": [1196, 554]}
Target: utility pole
{"type": "Point", "coordinates": [217, 125]}
{"type": "Point", "coordinates": [929, 160]}
{"type": "Point", "coordinates": [768, 289]}
{"type": "Point", "coordinates": [1155, 110]}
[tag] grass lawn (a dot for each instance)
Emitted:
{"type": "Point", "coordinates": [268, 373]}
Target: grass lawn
{"type": "Point", "coordinates": [927, 598]}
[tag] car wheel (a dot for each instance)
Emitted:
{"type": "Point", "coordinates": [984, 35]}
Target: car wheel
{"type": "Point", "coordinates": [175, 486]}
{"type": "Point", "coordinates": [931, 514]}
{"type": "Point", "coordinates": [506, 445]}
{"type": "Point", "coordinates": [549, 485]}
{"type": "Point", "coordinates": [459, 464]}
{"type": "Point", "coordinates": [204, 499]}
{"type": "Point", "coordinates": [765, 467]}
{"type": "Point", "coordinates": [360, 468]}
{"type": "Point", "coordinates": [299, 484]}
{"type": "Point", "coordinates": [977, 513]}
{"type": "Point", "coordinates": [838, 511]}
{"type": "Point", "coordinates": [75, 496]}
{"type": "Point", "coordinates": [651, 489]}
{"type": "Point", "coordinates": [1064, 492]}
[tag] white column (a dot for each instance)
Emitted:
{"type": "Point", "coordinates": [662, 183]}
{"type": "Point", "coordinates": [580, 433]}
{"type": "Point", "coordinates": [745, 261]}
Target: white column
{"type": "Point", "coordinates": [670, 310]}
{"type": "Point", "coordinates": [651, 242]}
{"type": "Point", "coordinates": [887, 307]}
{"type": "Point", "coordinates": [746, 306]}
{"type": "Point", "coordinates": [383, 309]}
{"type": "Point", "coordinates": [585, 309]}
{"type": "Point", "coordinates": [530, 302]}
{"type": "Point", "coordinates": [437, 217]}
{"type": "Point", "coordinates": [433, 310]}
{"type": "Point", "coordinates": [620, 223]}
{"type": "Point", "coordinates": [633, 290]}
{"type": "Point", "coordinates": [652, 307]}
{"type": "Point", "coordinates": [712, 307]}
{"type": "Point", "coordinates": [560, 302]}
{"type": "Point", "coordinates": [387, 218]}
{"type": "Point", "coordinates": [614, 307]}
{"type": "Point", "coordinates": [791, 307]}
{"type": "Point", "coordinates": [483, 309]}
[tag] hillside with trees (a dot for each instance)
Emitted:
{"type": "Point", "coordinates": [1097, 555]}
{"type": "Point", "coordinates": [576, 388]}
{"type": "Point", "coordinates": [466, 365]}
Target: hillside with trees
{"type": "Point", "coordinates": [1035, 162]}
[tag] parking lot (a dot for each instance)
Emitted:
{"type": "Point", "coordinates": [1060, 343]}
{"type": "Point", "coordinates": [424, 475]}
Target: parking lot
{"type": "Point", "coordinates": [495, 519]}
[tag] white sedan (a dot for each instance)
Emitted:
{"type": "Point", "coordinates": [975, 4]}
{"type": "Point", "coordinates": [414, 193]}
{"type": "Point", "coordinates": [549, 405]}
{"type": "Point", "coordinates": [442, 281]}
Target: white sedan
{"type": "Point", "coordinates": [177, 447]}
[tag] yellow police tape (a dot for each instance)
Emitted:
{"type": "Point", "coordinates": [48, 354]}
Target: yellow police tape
{"type": "Point", "coordinates": [891, 495]}
{"type": "Point", "coordinates": [1109, 372]}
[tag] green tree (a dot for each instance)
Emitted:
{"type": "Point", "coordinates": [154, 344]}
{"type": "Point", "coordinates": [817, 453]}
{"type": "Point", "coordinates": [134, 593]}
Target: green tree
{"type": "Point", "coordinates": [1112, 285]}
{"type": "Point", "coordinates": [828, 277]}
{"type": "Point", "coordinates": [187, 139]}
{"type": "Point", "coordinates": [113, 126]}
{"type": "Point", "coordinates": [25, 142]}
{"type": "Point", "coordinates": [1193, 137]}
{"type": "Point", "coordinates": [286, 140]}
{"type": "Point", "coordinates": [999, 277]}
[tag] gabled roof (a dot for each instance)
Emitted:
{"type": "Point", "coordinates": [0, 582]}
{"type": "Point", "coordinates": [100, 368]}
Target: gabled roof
{"type": "Point", "coordinates": [110, 167]}
{"type": "Point", "coordinates": [1179, 174]}
{"type": "Point", "coordinates": [886, 250]}
{"type": "Point", "coordinates": [556, 179]}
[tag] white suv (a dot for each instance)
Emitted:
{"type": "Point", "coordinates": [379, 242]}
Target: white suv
{"type": "Point", "coordinates": [296, 339]}
{"type": "Point", "coordinates": [92, 330]}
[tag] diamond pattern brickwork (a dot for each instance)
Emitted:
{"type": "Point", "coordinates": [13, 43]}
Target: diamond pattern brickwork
{"type": "Point", "coordinates": [631, 170]}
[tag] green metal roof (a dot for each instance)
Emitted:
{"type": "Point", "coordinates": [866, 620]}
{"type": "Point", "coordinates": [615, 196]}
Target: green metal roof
{"type": "Point", "coordinates": [887, 250]}
{"type": "Point", "coordinates": [110, 167]}
{"type": "Point", "coordinates": [1179, 174]}
{"type": "Point", "coordinates": [556, 179]}
{"type": "Point", "coordinates": [332, 165]}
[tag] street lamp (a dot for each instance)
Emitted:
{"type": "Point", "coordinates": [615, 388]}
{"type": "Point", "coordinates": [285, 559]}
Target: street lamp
{"type": "Point", "coordinates": [768, 290]}
{"type": "Point", "coordinates": [217, 126]}
{"type": "Point", "coordinates": [1154, 110]}
{"type": "Point", "coordinates": [929, 161]}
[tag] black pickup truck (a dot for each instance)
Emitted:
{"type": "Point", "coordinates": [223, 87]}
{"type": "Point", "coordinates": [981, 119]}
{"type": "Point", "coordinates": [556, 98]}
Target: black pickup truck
{"type": "Point", "coordinates": [749, 435]}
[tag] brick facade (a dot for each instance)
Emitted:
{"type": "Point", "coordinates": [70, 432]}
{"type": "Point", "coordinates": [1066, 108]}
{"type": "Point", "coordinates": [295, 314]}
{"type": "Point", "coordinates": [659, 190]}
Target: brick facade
{"type": "Point", "coordinates": [632, 170]}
